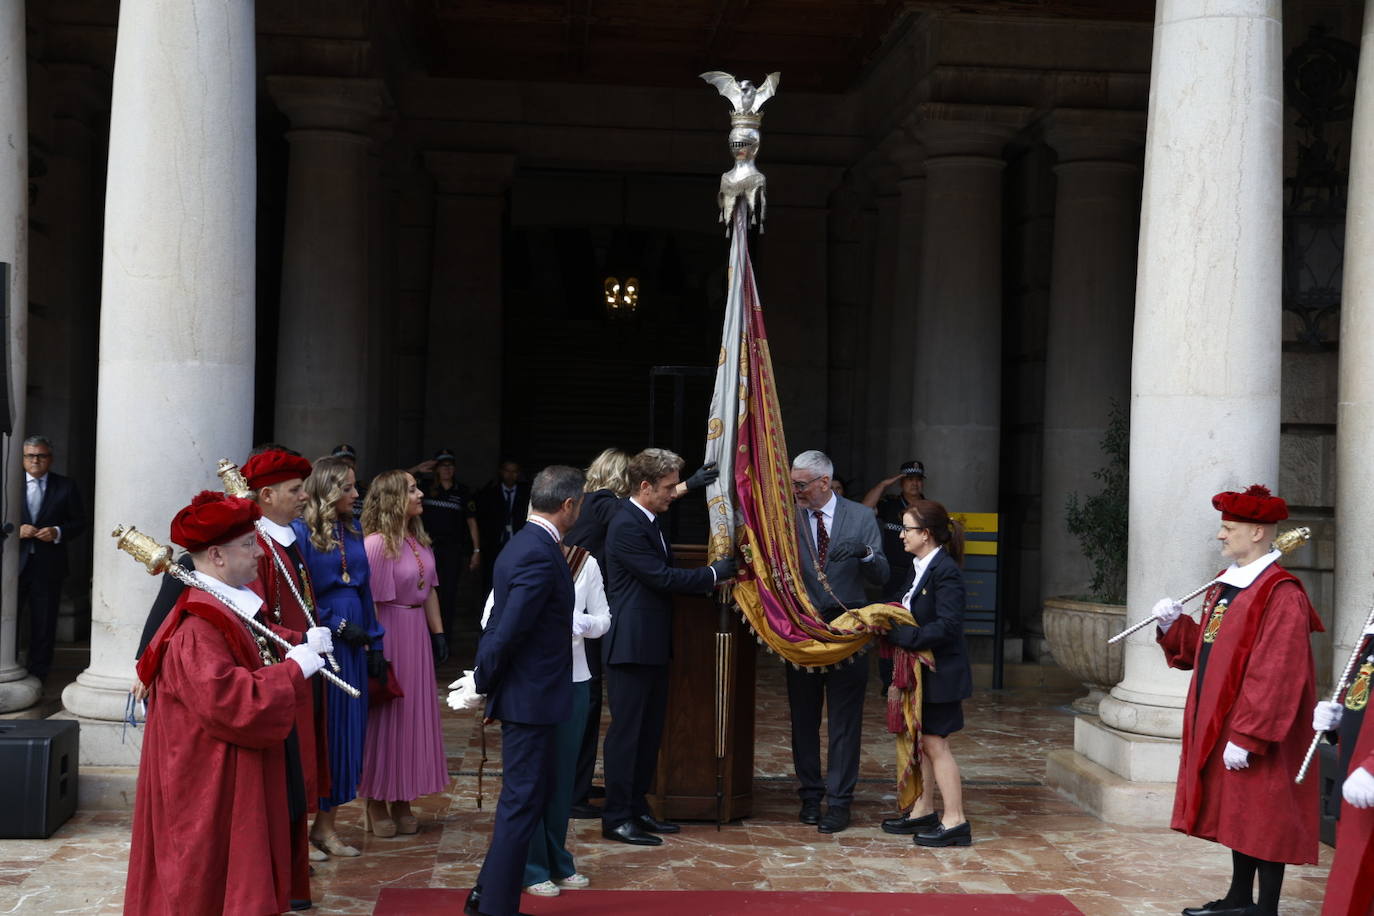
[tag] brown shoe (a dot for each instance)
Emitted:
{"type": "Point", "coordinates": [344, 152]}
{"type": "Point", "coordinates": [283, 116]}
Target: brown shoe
{"type": "Point", "coordinates": [377, 819]}
{"type": "Point", "coordinates": [406, 821]}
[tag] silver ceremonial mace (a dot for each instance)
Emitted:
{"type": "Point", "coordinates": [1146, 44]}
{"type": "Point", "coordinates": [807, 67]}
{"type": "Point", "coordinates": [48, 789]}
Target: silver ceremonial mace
{"type": "Point", "coordinates": [157, 558]}
{"type": "Point", "coordinates": [1287, 542]}
{"type": "Point", "coordinates": [1336, 695]}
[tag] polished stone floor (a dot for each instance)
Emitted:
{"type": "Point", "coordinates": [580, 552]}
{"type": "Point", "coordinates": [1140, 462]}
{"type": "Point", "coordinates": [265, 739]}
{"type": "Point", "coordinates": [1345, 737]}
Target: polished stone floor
{"type": "Point", "coordinates": [1027, 838]}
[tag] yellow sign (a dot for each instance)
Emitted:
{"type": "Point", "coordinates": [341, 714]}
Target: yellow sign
{"type": "Point", "coordinates": [977, 522]}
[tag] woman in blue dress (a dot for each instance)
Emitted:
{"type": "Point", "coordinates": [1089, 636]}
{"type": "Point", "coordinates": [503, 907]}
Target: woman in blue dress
{"type": "Point", "coordinates": [336, 562]}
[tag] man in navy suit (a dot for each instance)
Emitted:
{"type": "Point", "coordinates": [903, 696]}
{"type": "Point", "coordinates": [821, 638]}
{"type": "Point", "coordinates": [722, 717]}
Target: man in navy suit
{"type": "Point", "coordinates": [52, 515]}
{"type": "Point", "coordinates": [524, 667]}
{"type": "Point", "coordinates": [841, 538]}
{"type": "Point", "coordinates": [640, 582]}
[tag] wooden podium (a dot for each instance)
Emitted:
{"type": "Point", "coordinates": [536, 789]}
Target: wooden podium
{"type": "Point", "coordinates": [685, 784]}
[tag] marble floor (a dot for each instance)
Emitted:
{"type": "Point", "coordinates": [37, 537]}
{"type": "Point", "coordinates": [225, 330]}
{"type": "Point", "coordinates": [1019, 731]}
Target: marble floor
{"type": "Point", "coordinates": [1027, 838]}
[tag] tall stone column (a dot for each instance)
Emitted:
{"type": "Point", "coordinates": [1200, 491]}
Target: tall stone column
{"type": "Point", "coordinates": [1205, 364]}
{"type": "Point", "coordinates": [1355, 401]}
{"type": "Point", "coordinates": [17, 689]}
{"type": "Point", "coordinates": [1092, 301]}
{"type": "Point", "coordinates": [873, 448]}
{"type": "Point", "coordinates": [956, 382]}
{"type": "Point", "coordinates": [464, 364]}
{"type": "Point", "coordinates": [177, 315]}
{"type": "Point", "coordinates": [903, 330]}
{"type": "Point", "coordinates": [847, 319]}
{"type": "Point", "coordinates": [322, 366]}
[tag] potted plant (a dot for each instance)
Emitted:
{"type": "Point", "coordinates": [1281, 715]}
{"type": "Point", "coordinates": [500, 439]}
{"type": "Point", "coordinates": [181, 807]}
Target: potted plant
{"type": "Point", "coordinates": [1077, 626]}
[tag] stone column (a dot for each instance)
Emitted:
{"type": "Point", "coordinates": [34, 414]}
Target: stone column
{"type": "Point", "coordinates": [17, 689]}
{"type": "Point", "coordinates": [177, 315]}
{"type": "Point", "coordinates": [1092, 300]}
{"type": "Point", "coordinates": [956, 383]}
{"type": "Point", "coordinates": [847, 314]}
{"type": "Point", "coordinates": [873, 447]}
{"type": "Point", "coordinates": [1355, 401]}
{"type": "Point", "coordinates": [1205, 363]}
{"type": "Point", "coordinates": [902, 332]}
{"type": "Point", "coordinates": [322, 365]}
{"type": "Point", "coordinates": [463, 375]}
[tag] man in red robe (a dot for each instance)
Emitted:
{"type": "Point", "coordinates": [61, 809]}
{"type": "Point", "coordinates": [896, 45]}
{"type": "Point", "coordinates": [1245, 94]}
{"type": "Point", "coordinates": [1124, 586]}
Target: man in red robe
{"type": "Point", "coordinates": [211, 818]}
{"type": "Point", "coordinates": [1245, 723]}
{"type": "Point", "coordinates": [1350, 886]}
{"type": "Point", "coordinates": [277, 480]}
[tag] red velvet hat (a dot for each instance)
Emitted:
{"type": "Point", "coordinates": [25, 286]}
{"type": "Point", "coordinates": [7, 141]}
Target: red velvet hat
{"type": "Point", "coordinates": [1256, 505]}
{"type": "Point", "coordinates": [274, 466]}
{"type": "Point", "coordinates": [213, 518]}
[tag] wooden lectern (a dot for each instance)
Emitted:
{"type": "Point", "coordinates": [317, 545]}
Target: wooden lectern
{"type": "Point", "coordinates": [686, 782]}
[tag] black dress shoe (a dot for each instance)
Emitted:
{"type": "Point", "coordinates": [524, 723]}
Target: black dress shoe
{"type": "Point", "coordinates": [1220, 908]}
{"type": "Point", "coordinates": [470, 906]}
{"type": "Point", "coordinates": [629, 832]}
{"type": "Point", "coordinates": [647, 822]}
{"type": "Point", "coordinates": [906, 826]}
{"type": "Point", "coordinates": [584, 812]}
{"type": "Point", "coordinates": [810, 813]}
{"type": "Point", "coordinates": [958, 835]}
{"type": "Point", "coordinates": [301, 904]}
{"type": "Point", "coordinates": [834, 820]}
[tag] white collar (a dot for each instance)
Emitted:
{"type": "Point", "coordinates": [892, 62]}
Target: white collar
{"type": "Point", "coordinates": [39, 480]}
{"type": "Point", "coordinates": [828, 510]}
{"type": "Point", "coordinates": [548, 526]}
{"type": "Point", "coordinates": [1243, 576]}
{"type": "Point", "coordinates": [640, 506]}
{"type": "Point", "coordinates": [284, 535]}
{"type": "Point", "coordinates": [244, 600]}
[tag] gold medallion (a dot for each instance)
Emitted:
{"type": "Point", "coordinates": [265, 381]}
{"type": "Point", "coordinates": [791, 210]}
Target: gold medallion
{"type": "Point", "coordinates": [1214, 622]}
{"type": "Point", "coordinates": [421, 585]}
{"type": "Point", "coordinates": [1357, 695]}
{"type": "Point", "coordinates": [346, 579]}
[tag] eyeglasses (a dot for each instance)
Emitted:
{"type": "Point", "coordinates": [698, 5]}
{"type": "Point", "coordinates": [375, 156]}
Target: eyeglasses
{"type": "Point", "coordinates": [800, 485]}
{"type": "Point", "coordinates": [906, 528]}
{"type": "Point", "coordinates": [38, 456]}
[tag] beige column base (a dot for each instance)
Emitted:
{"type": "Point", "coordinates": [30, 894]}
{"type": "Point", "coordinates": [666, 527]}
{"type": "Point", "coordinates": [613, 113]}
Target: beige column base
{"type": "Point", "coordinates": [1120, 777]}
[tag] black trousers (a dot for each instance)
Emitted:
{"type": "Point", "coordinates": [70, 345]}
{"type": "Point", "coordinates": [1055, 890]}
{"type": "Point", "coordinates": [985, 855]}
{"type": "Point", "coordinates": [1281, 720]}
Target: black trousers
{"type": "Point", "coordinates": [41, 592]}
{"type": "Point", "coordinates": [639, 702]}
{"type": "Point", "coordinates": [449, 564]}
{"type": "Point", "coordinates": [591, 735]}
{"type": "Point", "coordinates": [841, 691]}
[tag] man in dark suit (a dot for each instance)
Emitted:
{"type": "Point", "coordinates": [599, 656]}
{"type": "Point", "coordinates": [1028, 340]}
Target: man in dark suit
{"type": "Point", "coordinates": [52, 515]}
{"type": "Point", "coordinates": [501, 507]}
{"type": "Point", "coordinates": [840, 537]}
{"type": "Point", "coordinates": [524, 667]}
{"type": "Point", "coordinates": [640, 582]}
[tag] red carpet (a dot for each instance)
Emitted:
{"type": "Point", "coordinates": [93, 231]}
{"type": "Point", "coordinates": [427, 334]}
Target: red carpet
{"type": "Point", "coordinates": [433, 901]}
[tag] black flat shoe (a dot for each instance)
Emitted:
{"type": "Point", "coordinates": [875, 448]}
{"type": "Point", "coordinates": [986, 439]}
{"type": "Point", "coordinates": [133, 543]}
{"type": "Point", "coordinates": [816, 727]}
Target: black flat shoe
{"type": "Point", "coordinates": [648, 823]}
{"type": "Point", "coordinates": [958, 835]}
{"type": "Point", "coordinates": [584, 812]}
{"type": "Point", "coordinates": [470, 906]}
{"type": "Point", "coordinates": [834, 820]}
{"type": "Point", "coordinates": [810, 813]}
{"type": "Point", "coordinates": [629, 832]}
{"type": "Point", "coordinates": [908, 826]}
{"type": "Point", "coordinates": [301, 904]}
{"type": "Point", "coordinates": [1220, 908]}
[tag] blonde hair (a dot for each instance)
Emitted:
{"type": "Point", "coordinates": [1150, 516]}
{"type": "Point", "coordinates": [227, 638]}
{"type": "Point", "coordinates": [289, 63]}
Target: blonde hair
{"type": "Point", "coordinates": [323, 490]}
{"type": "Point", "coordinates": [384, 511]}
{"type": "Point", "coordinates": [609, 471]}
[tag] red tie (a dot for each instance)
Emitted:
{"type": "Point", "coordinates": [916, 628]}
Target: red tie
{"type": "Point", "coordinates": [822, 539]}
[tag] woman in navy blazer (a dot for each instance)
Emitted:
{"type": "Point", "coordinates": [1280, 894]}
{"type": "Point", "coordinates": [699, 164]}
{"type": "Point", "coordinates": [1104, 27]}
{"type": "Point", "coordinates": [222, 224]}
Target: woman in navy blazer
{"type": "Point", "coordinates": [936, 600]}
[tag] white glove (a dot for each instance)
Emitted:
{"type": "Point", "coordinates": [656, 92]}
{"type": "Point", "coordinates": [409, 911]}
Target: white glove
{"type": "Point", "coordinates": [1358, 790]}
{"type": "Point", "coordinates": [1326, 717]}
{"type": "Point", "coordinates": [582, 624]}
{"type": "Point", "coordinates": [465, 679]}
{"type": "Point", "coordinates": [319, 639]}
{"type": "Point", "coordinates": [307, 658]}
{"type": "Point", "coordinates": [1166, 611]}
{"type": "Point", "coordinates": [1369, 630]}
{"type": "Point", "coordinates": [463, 695]}
{"type": "Point", "coordinates": [1235, 757]}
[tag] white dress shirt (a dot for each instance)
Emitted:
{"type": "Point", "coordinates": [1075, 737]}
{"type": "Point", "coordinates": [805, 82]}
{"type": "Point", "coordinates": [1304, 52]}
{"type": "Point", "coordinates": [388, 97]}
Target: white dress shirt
{"type": "Point", "coordinates": [591, 615]}
{"type": "Point", "coordinates": [919, 566]}
{"type": "Point", "coordinates": [42, 483]}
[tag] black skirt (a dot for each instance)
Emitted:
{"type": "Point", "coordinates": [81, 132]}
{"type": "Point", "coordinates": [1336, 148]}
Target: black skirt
{"type": "Point", "coordinates": [942, 719]}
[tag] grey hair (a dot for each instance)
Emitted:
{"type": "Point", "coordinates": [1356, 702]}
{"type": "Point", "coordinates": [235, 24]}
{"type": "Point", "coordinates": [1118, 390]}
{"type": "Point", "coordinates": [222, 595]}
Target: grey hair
{"type": "Point", "coordinates": [814, 461]}
{"type": "Point", "coordinates": [39, 440]}
{"type": "Point", "coordinates": [555, 485]}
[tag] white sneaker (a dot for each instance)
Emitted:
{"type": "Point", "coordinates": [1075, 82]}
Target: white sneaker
{"type": "Point", "coordinates": [574, 881]}
{"type": "Point", "coordinates": [543, 889]}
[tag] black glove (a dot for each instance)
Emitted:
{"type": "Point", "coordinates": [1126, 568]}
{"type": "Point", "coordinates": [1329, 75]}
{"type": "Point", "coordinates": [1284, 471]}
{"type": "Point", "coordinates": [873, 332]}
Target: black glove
{"type": "Point", "coordinates": [903, 634]}
{"type": "Point", "coordinates": [847, 550]}
{"type": "Point", "coordinates": [725, 568]}
{"type": "Point", "coordinates": [353, 635]}
{"type": "Point", "coordinates": [439, 643]}
{"type": "Point", "coordinates": [376, 663]}
{"type": "Point", "coordinates": [706, 474]}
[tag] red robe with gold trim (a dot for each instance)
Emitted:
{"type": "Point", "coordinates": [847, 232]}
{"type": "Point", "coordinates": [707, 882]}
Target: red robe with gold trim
{"type": "Point", "coordinates": [1350, 886]}
{"type": "Point", "coordinates": [1257, 692]}
{"type": "Point", "coordinates": [211, 830]}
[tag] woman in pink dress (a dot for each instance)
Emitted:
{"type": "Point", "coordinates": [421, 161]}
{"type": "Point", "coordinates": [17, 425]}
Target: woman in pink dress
{"type": "Point", "coordinates": [404, 754]}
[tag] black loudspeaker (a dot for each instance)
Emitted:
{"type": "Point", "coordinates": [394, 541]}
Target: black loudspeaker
{"type": "Point", "coordinates": [38, 772]}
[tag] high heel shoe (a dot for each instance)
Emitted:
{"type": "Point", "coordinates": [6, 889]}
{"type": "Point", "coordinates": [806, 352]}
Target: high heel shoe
{"type": "Point", "coordinates": [380, 824]}
{"type": "Point", "coordinates": [406, 821]}
{"type": "Point", "coordinates": [333, 845]}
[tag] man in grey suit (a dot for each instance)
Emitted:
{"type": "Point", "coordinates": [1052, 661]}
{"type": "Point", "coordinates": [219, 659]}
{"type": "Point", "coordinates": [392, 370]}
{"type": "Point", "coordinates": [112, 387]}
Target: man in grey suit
{"type": "Point", "coordinates": [841, 537]}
